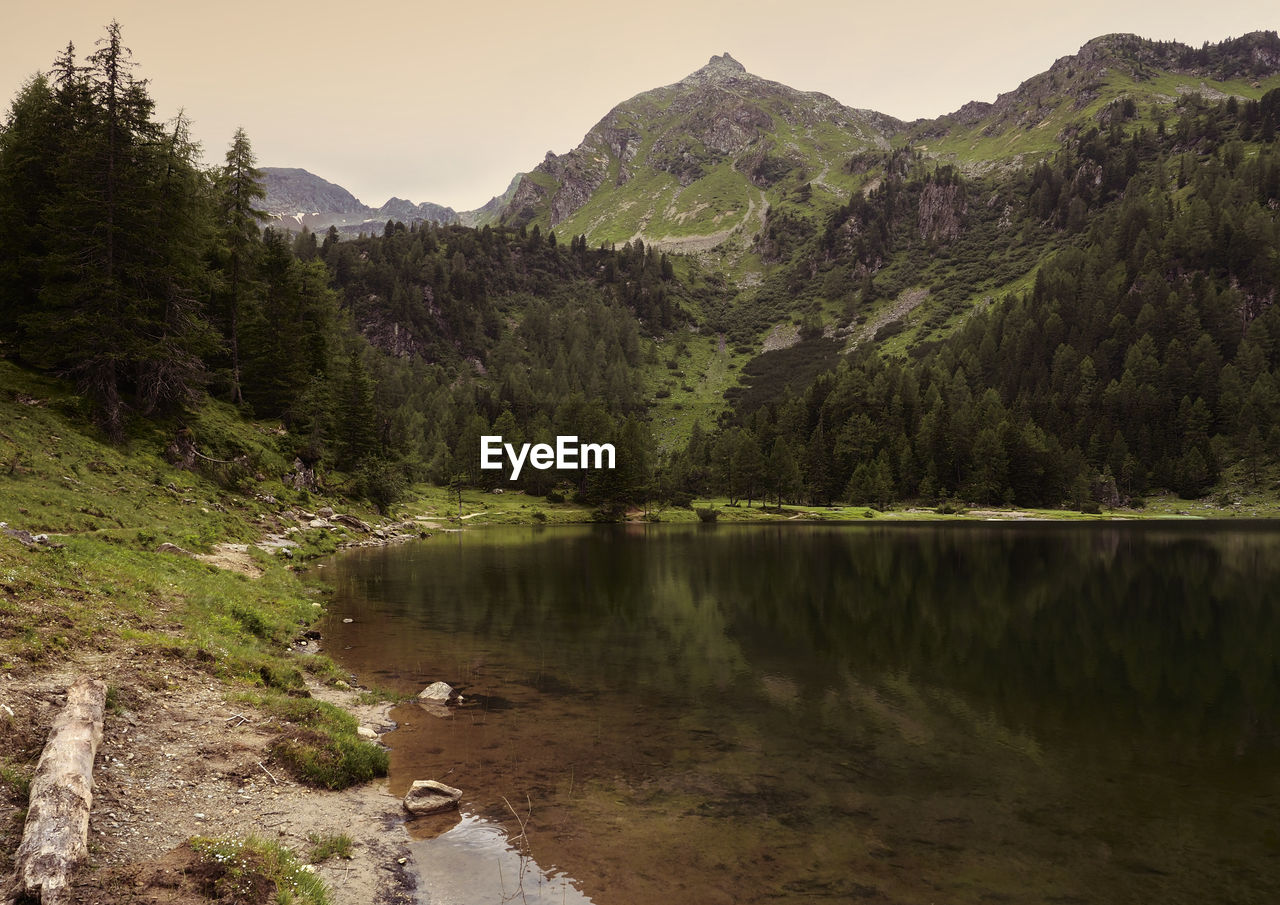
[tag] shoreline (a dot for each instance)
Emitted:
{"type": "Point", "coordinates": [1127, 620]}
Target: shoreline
{"type": "Point", "coordinates": [185, 750]}
{"type": "Point", "coordinates": [188, 760]}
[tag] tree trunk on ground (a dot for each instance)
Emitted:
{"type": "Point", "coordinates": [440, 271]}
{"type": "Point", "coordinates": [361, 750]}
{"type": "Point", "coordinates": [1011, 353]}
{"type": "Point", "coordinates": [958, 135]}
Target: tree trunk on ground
{"type": "Point", "coordinates": [55, 838]}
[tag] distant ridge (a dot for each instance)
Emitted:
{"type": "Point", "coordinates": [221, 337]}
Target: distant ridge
{"type": "Point", "coordinates": [709, 160]}
{"type": "Point", "coordinates": [298, 198]}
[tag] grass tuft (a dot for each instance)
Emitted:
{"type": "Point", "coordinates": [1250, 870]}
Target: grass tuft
{"type": "Point", "coordinates": [329, 761]}
{"type": "Point", "coordinates": [329, 845]}
{"type": "Point", "coordinates": [251, 871]}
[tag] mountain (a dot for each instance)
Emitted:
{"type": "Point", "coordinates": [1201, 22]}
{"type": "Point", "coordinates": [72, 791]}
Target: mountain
{"type": "Point", "coordinates": [1114, 74]}
{"type": "Point", "coordinates": [491, 210]}
{"type": "Point", "coordinates": [1073, 301]}
{"type": "Point", "coordinates": [708, 159]}
{"type": "Point", "coordinates": [297, 198]}
{"type": "Point", "coordinates": [690, 165]}
{"type": "Point", "coordinates": [292, 191]}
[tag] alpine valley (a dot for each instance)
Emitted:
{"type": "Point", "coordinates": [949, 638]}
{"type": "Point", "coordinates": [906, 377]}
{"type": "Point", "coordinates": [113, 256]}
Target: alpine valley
{"type": "Point", "coordinates": [1062, 298]}
{"type": "Point", "coordinates": [772, 306]}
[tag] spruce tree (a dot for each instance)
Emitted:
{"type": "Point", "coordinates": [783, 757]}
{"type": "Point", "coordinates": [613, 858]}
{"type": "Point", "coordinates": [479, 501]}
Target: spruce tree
{"type": "Point", "coordinates": [240, 187]}
{"type": "Point", "coordinates": [117, 305]}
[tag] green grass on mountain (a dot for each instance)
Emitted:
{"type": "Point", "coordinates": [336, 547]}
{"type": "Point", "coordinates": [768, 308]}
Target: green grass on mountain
{"type": "Point", "coordinates": [985, 144]}
{"type": "Point", "coordinates": [688, 385]}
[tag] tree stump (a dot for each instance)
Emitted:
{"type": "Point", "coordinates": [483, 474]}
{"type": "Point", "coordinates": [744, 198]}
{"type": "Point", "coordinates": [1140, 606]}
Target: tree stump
{"type": "Point", "coordinates": [55, 837]}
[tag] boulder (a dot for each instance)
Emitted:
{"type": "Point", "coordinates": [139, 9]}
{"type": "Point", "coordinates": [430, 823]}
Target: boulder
{"type": "Point", "coordinates": [351, 522]}
{"type": "Point", "coordinates": [367, 732]}
{"type": "Point", "coordinates": [324, 512]}
{"type": "Point", "coordinates": [22, 537]}
{"type": "Point", "coordinates": [438, 693]}
{"type": "Point", "coordinates": [427, 796]}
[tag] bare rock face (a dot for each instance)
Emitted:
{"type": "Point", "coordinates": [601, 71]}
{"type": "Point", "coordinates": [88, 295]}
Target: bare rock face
{"type": "Point", "coordinates": [942, 210]}
{"type": "Point", "coordinates": [303, 477]}
{"type": "Point", "coordinates": [427, 796]}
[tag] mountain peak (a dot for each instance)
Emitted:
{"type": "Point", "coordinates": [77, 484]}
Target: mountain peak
{"type": "Point", "coordinates": [722, 67]}
{"type": "Point", "coordinates": [725, 62]}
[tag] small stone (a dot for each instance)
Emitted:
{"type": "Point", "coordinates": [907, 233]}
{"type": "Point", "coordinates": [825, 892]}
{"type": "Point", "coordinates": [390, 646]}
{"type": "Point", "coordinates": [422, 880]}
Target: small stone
{"type": "Point", "coordinates": [348, 619]}
{"type": "Point", "coordinates": [402, 860]}
{"type": "Point", "coordinates": [324, 512]}
{"type": "Point", "coordinates": [366, 732]}
{"type": "Point", "coordinates": [427, 796]}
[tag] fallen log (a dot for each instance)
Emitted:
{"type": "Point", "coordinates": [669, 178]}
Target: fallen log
{"type": "Point", "coordinates": [55, 837]}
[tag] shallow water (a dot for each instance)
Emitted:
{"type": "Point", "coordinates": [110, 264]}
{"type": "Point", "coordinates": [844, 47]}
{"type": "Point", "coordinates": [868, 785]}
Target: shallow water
{"type": "Point", "coordinates": [788, 713]}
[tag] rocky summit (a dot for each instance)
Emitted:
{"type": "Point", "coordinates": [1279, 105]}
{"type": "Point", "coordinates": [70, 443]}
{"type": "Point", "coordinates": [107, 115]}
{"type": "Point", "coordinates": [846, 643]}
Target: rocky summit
{"type": "Point", "coordinates": [691, 164]}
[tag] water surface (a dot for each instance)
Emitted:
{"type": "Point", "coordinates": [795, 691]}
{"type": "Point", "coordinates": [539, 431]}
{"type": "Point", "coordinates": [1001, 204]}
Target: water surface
{"type": "Point", "coordinates": [784, 713]}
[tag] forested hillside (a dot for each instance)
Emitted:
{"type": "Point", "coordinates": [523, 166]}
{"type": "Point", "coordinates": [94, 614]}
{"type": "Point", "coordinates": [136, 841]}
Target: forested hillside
{"type": "Point", "coordinates": [1141, 356]}
{"type": "Point", "coordinates": [1078, 326]}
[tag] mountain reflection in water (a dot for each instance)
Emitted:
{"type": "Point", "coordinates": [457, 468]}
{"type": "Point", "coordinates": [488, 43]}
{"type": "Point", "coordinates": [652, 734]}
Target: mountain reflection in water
{"type": "Point", "coordinates": [903, 713]}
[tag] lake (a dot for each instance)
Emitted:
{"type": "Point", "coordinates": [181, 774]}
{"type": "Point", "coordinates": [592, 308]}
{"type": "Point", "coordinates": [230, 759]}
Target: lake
{"type": "Point", "coordinates": [786, 713]}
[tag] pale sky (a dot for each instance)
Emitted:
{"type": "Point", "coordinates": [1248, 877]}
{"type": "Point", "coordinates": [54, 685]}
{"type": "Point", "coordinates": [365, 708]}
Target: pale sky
{"type": "Point", "coordinates": [445, 102]}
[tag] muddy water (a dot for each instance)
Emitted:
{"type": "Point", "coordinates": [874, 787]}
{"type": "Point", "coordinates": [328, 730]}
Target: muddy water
{"type": "Point", "coordinates": [915, 713]}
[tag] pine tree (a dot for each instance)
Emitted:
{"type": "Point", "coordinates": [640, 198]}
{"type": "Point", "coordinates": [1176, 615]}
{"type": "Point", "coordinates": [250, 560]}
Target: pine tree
{"type": "Point", "coordinates": [117, 302]}
{"type": "Point", "coordinates": [783, 472]}
{"type": "Point", "coordinates": [357, 428]}
{"type": "Point", "coordinates": [30, 144]}
{"type": "Point", "coordinates": [240, 186]}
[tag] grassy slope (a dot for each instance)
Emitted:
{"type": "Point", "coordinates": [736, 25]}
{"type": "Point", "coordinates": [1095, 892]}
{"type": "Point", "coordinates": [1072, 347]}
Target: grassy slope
{"type": "Point", "coordinates": [653, 203]}
{"type": "Point", "coordinates": [972, 148]}
{"type": "Point", "coordinates": [97, 596]}
{"type": "Point", "coordinates": [693, 391]}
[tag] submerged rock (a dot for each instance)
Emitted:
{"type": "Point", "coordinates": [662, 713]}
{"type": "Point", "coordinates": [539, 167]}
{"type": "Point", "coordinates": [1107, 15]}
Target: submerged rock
{"type": "Point", "coordinates": [427, 796]}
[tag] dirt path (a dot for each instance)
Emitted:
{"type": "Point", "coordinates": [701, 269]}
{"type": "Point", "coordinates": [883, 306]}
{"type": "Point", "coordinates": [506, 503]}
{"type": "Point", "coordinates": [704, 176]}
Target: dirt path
{"type": "Point", "coordinates": [180, 759]}
{"type": "Point", "coordinates": [234, 557]}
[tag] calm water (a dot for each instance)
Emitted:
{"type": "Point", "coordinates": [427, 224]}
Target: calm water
{"type": "Point", "coordinates": [914, 713]}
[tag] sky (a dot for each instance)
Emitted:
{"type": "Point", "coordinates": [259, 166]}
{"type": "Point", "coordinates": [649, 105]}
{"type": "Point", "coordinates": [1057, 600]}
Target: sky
{"type": "Point", "coordinates": [445, 102]}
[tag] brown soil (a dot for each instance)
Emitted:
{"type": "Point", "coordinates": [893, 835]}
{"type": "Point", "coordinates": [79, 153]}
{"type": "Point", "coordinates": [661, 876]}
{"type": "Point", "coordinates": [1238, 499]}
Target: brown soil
{"type": "Point", "coordinates": [177, 760]}
{"type": "Point", "coordinates": [233, 557]}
